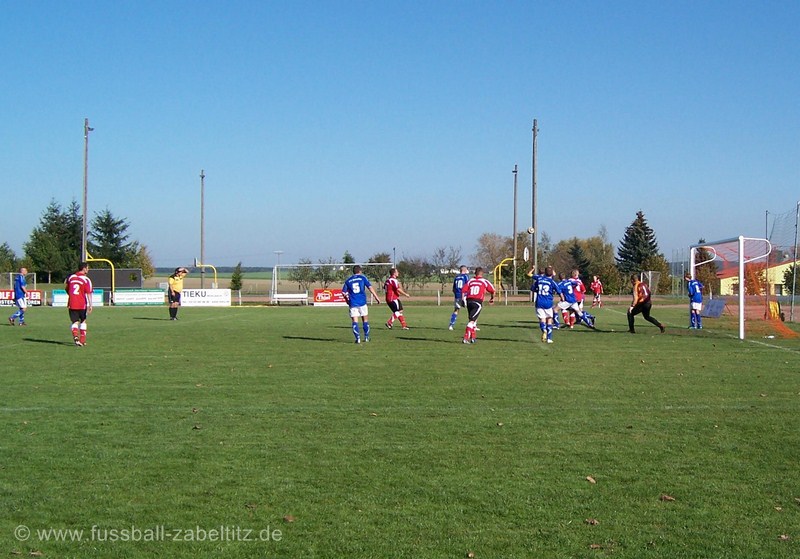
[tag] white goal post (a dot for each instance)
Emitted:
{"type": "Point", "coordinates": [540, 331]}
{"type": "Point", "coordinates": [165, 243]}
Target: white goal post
{"type": "Point", "coordinates": [741, 250]}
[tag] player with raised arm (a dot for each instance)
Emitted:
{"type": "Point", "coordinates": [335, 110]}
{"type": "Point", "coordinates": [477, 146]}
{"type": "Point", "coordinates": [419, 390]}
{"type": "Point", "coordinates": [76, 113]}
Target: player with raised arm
{"type": "Point", "coordinates": [695, 291]}
{"type": "Point", "coordinates": [458, 287]}
{"type": "Point", "coordinates": [475, 292]}
{"type": "Point", "coordinates": [393, 291]}
{"type": "Point", "coordinates": [544, 290]}
{"type": "Point", "coordinates": [355, 291]}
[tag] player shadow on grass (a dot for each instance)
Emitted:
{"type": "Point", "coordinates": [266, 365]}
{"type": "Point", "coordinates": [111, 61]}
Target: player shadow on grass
{"type": "Point", "coordinates": [309, 339]}
{"type": "Point", "coordinates": [54, 342]}
{"type": "Point", "coordinates": [150, 318]}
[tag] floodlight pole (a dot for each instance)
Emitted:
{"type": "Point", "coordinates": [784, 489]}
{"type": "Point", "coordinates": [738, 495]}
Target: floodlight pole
{"type": "Point", "coordinates": [202, 227]}
{"type": "Point", "coordinates": [278, 266]}
{"type": "Point", "coordinates": [514, 236]}
{"type": "Point", "coordinates": [85, 229]}
{"type": "Point", "coordinates": [534, 222]}
{"type": "Point", "coordinates": [794, 268]}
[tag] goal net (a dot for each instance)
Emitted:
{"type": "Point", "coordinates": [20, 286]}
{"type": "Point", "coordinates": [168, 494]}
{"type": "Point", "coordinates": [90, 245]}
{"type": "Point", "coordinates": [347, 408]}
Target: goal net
{"type": "Point", "coordinates": [290, 280]}
{"type": "Point", "coordinates": [741, 272]}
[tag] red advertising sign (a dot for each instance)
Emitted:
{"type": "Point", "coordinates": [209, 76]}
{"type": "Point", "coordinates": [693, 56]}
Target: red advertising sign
{"type": "Point", "coordinates": [35, 298]}
{"type": "Point", "coordinates": [329, 297]}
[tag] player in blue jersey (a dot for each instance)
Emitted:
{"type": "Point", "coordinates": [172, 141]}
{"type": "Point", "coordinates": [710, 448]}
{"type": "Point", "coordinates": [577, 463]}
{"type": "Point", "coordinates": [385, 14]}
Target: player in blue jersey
{"type": "Point", "coordinates": [544, 288]}
{"type": "Point", "coordinates": [695, 290]}
{"type": "Point", "coordinates": [355, 291]}
{"type": "Point", "coordinates": [458, 285]}
{"type": "Point", "coordinates": [20, 294]}
{"type": "Point", "coordinates": [569, 303]}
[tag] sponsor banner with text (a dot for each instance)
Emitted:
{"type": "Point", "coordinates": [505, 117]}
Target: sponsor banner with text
{"type": "Point", "coordinates": [329, 298]}
{"type": "Point", "coordinates": [139, 297]}
{"type": "Point", "coordinates": [35, 298]}
{"type": "Point", "coordinates": [206, 298]}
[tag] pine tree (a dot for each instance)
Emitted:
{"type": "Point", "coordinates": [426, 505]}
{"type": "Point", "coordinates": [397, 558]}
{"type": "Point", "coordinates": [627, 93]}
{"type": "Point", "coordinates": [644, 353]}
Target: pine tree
{"type": "Point", "coordinates": [237, 278]}
{"type": "Point", "coordinates": [108, 239]}
{"type": "Point", "coordinates": [579, 257]}
{"type": "Point", "coordinates": [637, 245]}
{"type": "Point", "coordinates": [54, 246]}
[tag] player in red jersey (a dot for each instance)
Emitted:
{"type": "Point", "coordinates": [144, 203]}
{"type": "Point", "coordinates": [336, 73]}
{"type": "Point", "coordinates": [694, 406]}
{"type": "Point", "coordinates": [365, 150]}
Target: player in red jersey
{"type": "Point", "coordinates": [580, 294]}
{"type": "Point", "coordinates": [597, 290]}
{"type": "Point", "coordinates": [393, 292]}
{"type": "Point", "coordinates": [79, 302]}
{"type": "Point", "coordinates": [475, 292]}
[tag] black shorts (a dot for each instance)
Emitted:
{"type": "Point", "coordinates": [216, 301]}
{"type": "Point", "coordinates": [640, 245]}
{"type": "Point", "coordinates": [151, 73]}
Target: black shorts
{"type": "Point", "coordinates": [77, 315]}
{"type": "Point", "coordinates": [474, 308]}
{"type": "Point", "coordinates": [395, 305]}
{"type": "Point", "coordinates": [174, 296]}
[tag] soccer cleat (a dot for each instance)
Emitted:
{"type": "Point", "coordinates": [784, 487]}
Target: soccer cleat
{"type": "Point", "coordinates": [406, 328]}
{"type": "Point", "coordinates": [358, 340]}
{"type": "Point", "coordinates": [450, 327]}
{"type": "Point", "coordinates": [23, 324]}
{"type": "Point", "coordinates": [78, 343]}
{"type": "Point", "coordinates": [472, 340]}
{"type": "Point", "coordinates": [11, 321]}
{"type": "Point", "coordinates": [544, 336]}
{"type": "Point", "coordinates": [661, 327]}
{"type": "Point", "coordinates": [366, 338]}
{"type": "Point", "coordinates": [389, 325]}
{"type": "Point", "coordinates": [465, 341]}
{"type": "Point", "coordinates": [549, 341]}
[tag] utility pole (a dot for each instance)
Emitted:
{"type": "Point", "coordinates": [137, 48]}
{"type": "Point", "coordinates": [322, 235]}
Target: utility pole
{"type": "Point", "coordinates": [514, 236]}
{"type": "Point", "coordinates": [534, 241]}
{"type": "Point", "coordinates": [202, 228]}
{"type": "Point", "coordinates": [84, 235]}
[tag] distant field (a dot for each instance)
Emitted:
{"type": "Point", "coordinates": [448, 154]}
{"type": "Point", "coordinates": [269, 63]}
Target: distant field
{"type": "Point", "coordinates": [266, 432]}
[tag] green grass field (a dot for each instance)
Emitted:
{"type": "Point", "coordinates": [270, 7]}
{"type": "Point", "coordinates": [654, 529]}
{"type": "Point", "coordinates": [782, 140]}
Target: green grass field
{"type": "Point", "coordinates": [266, 432]}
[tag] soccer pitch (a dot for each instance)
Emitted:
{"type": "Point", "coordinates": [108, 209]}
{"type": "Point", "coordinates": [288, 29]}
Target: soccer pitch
{"type": "Point", "coordinates": [266, 432]}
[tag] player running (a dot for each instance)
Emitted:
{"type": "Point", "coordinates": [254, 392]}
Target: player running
{"type": "Point", "coordinates": [458, 287]}
{"type": "Point", "coordinates": [569, 303]}
{"type": "Point", "coordinates": [393, 292]}
{"type": "Point", "coordinates": [475, 292]}
{"type": "Point", "coordinates": [597, 290]}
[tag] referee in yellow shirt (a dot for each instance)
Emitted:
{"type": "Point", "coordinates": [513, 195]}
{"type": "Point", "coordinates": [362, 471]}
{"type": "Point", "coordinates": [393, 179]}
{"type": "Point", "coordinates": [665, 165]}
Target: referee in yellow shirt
{"type": "Point", "coordinates": [175, 282]}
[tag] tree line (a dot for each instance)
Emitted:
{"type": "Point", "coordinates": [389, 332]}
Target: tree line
{"type": "Point", "coordinates": [54, 249]}
{"type": "Point", "coordinates": [596, 256]}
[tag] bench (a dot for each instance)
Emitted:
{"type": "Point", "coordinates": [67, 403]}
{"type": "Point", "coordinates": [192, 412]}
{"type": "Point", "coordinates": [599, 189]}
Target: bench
{"type": "Point", "coordinates": [277, 298]}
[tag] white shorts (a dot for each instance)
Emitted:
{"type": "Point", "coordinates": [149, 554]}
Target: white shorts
{"type": "Point", "coordinates": [544, 314]}
{"type": "Point", "coordinates": [22, 303]}
{"type": "Point", "coordinates": [355, 312]}
{"type": "Point", "coordinates": [563, 305]}
{"type": "Point", "coordinates": [696, 306]}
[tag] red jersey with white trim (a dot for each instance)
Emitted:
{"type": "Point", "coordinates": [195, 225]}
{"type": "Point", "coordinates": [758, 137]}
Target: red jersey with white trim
{"type": "Point", "coordinates": [596, 287]}
{"type": "Point", "coordinates": [392, 289]}
{"type": "Point", "coordinates": [79, 289]}
{"type": "Point", "coordinates": [580, 290]}
{"type": "Point", "coordinates": [477, 288]}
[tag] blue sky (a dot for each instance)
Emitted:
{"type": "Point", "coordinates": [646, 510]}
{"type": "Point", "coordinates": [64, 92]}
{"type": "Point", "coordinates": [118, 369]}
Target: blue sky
{"type": "Point", "coordinates": [371, 126]}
